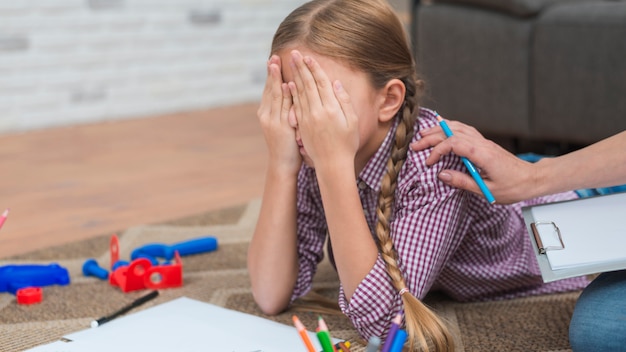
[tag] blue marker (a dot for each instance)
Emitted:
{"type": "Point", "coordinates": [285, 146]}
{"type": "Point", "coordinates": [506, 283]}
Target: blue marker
{"type": "Point", "coordinates": [398, 341]}
{"type": "Point", "coordinates": [469, 165]}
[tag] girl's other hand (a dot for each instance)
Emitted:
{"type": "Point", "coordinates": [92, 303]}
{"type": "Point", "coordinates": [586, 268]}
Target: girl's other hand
{"type": "Point", "coordinates": [273, 113]}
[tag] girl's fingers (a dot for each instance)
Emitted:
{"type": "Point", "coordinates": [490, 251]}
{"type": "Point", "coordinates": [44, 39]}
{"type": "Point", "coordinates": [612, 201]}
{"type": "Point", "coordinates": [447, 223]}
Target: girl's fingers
{"type": "Point", "coordinates": [272, 97]}
{"type": "Point", "coordinates": [286, 103]}
{"type": "Point", "coordinates": [305, 84]}
{"type": "Point", "coordinates": [345, 103]}
{"type": "Point", "coordinates": [321, 90]}
{"type": "Point", "coordinates": [276, 90]}
{"type": "Point", "coordinates": [293, 121]}
{"type": "Point", "coordinates": [297, 105]}
{"type": "Point", "coordinates": [267, 93]}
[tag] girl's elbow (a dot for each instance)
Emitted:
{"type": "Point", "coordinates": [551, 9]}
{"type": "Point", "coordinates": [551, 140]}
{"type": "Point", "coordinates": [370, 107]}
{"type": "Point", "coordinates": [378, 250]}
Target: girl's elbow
{"type": "Point", "coordinates": [271, 305]}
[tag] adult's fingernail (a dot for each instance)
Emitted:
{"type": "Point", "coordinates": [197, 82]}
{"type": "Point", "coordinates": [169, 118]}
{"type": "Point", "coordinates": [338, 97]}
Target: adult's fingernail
{"type": "Point", "coordinates": [445, 176]}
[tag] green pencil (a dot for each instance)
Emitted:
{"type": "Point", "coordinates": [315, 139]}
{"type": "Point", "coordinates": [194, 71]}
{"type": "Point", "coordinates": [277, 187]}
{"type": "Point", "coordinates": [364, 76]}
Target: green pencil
{"type": "Point", "coordinates": [324, 337]}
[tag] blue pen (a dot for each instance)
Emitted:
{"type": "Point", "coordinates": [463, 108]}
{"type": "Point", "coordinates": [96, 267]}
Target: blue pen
{"type": "Point", "coordinates": [398, 341]}
{"type": "Point", "coordinates": [468, 164]}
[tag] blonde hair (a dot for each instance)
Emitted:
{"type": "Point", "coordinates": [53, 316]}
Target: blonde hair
{"type": "Point", "coordinates": [368, 36]}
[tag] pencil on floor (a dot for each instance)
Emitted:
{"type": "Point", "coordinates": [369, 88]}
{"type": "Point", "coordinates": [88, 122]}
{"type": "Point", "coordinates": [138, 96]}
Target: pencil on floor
{"type": "Point", "coordinates": [323, 335]}
{"type": "Point", "coordinates": [398, 341]}
{"type": "Point", "coordinates": [343, 346]}
{"type": "Point", "coordinates": [395, 326]}
{"type": "Point", "coordinates": [303, 334]}
{"type": "Point", "coordinates": [3, 217]}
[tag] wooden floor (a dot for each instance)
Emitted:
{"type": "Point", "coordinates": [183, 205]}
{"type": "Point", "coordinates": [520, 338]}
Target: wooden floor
{"type": "Point", "coordinates": [72, 183]}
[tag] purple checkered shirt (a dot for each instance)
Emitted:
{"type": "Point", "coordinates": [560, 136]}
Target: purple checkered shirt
{"type": "Point", "coordinates": [446, 239]}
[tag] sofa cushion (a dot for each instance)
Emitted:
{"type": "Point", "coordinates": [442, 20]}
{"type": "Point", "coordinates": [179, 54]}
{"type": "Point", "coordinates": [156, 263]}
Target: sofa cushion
{"type": "Point", "coordinates": [475, 64]}
{"type": "Point", "coordinates": [579, 71]}
{"type": "Point", "coordinates": [521, 8]}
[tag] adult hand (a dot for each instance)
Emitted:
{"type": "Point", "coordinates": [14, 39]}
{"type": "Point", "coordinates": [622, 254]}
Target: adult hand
{"type": "Point", "coordinates": [508, 177]}
{"type": "Point", "coordinates": [327, 122]}
{"type": "Point", "coordinates": [274, 116]}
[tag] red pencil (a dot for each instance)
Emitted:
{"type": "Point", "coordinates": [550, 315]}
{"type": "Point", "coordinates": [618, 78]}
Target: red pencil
{"type": "Point", "coordinates": [303, 334]}
{"type": "Point", "coordinates": [3, 218]}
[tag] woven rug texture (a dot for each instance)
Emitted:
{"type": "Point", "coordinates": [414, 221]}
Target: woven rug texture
{"type": "Point", "coordinates": [221, 278]}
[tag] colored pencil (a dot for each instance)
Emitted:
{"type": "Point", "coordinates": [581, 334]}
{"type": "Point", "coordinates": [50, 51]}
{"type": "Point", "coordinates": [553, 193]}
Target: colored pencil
{"type": "Point", "coordinates": [398, 341]}
{"type": "Point", "coordinates": [343, 346]}
{"type": "Point", "coordinates": [468, 164]}
{"type": "Point", "coordinates": [3, 217]}
{"type": "Point", "coordinates": [323, 335]}
{"type": "Point", "coordinates": [395, 326]}
{"type": "Point", "coordinates": [303, 334]}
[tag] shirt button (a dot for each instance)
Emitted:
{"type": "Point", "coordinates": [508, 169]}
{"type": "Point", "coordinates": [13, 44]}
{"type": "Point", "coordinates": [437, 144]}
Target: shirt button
{"type": "Point", "coordinates": [362, 185]}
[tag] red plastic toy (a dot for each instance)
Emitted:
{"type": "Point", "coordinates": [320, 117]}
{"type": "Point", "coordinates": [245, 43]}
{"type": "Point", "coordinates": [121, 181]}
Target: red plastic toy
{"type": "Point", "coordinates": [29, 295]}
{"type": "Point", "coordinates": [114, 247]}
{"type": "Point", "coordinates": [141, 274]}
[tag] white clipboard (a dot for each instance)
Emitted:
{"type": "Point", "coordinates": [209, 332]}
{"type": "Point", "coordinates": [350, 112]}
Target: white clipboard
{"type": "Point", "coordinates": [578, 237]}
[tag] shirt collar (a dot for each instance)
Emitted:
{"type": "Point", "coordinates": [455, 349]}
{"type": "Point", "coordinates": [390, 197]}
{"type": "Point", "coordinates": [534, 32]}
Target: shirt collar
{"type": "Point", "coordinates": [373, 172]}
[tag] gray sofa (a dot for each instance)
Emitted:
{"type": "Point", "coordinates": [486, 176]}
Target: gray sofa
{"type": "Point", "coordinates": [551, 70]}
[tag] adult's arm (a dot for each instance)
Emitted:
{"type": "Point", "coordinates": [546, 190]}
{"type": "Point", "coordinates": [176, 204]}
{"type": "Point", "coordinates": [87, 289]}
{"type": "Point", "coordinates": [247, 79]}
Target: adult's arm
{"type": "Point", "coordinates": [511, 179]}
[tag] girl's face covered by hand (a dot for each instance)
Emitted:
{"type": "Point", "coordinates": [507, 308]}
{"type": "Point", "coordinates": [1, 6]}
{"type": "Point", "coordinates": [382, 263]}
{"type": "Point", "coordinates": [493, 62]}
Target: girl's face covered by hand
{"type": "Point", "coordinates": [335, 108]}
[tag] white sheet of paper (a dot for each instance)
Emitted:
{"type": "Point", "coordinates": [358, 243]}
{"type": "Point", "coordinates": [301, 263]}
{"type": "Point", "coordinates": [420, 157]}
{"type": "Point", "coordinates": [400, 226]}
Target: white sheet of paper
{"type": "Point", "coordinates": [185, 325]}
{"type": "Point", "coordinates": [593, 230]}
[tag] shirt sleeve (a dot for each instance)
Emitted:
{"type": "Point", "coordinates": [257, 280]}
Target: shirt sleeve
{"type": "Point", "coordinates": [311, 229]}
{"type": "Point", "coordinates": [426, 230]}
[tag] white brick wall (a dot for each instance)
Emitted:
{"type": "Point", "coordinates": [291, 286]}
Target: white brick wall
{"type": "Point", "coordinates": [75, 61]}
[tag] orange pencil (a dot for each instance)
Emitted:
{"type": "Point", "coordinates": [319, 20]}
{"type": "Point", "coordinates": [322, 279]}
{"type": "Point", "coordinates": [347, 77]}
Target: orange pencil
{"type": "Point", "coordinates": [3, 217]}
{"type": "Point", "coordinates": [303, 334]}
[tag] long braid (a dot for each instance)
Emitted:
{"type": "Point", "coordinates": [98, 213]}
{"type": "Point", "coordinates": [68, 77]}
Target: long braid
{"type": "Point", "coordinates": [422, 325]}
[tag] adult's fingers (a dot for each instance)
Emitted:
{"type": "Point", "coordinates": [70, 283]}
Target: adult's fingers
{"type": "Point", "coordinates": [459, 180]}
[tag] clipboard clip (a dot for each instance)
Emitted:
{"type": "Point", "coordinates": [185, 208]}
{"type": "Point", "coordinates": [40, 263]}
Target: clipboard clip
{"type": "Point", "coordinates": [540, 246]}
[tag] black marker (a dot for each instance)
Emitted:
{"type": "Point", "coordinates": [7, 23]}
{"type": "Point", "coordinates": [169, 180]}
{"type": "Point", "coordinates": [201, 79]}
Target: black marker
{"type": "Point", "coordinates": [136, 303]}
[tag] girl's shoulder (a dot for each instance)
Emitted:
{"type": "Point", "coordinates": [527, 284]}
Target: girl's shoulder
{"type": "Point", "coordinates": [426, 118]}
{"type": "Point", "coordinates": [416, 160]}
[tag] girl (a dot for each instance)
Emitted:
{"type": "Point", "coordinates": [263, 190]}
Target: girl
{"type": "Point", "coordinates": [339, 110]}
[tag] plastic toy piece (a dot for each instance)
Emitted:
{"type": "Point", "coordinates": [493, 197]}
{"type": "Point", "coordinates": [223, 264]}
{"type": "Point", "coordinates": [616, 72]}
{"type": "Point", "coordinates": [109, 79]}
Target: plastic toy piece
{"type": "Point", "coordinates": [114, 248]}
{"type": "Point", "coordinates": [160, 250]}
{"type": "Point", "coordinates": [130, 278]}
{"type": "Point", "coordinates": [152, 259]}
{"type": "Point", "coordinates": [141, 274]}
{"type": "Point", "coordinates": [91, 268]}
{"type": "Point", "coordinates": [29, 295]}
{"type": "Point", "coordinates": [119, 263]}
{"type": "Point", "coordinates": [165, 276]}
{"type": "Point", "coordinates": [15, 277]}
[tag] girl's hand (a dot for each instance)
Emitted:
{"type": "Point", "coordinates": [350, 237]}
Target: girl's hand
{"type": "Point", "coordinates": [327, 123]}
{"type": "Point", "coordinates": [273, 113]}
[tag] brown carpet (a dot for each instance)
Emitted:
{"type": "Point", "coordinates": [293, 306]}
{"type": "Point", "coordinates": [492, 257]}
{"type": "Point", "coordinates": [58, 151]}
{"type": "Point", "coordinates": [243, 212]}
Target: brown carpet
{"type": "Point", "coordinates": [220, 277]}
